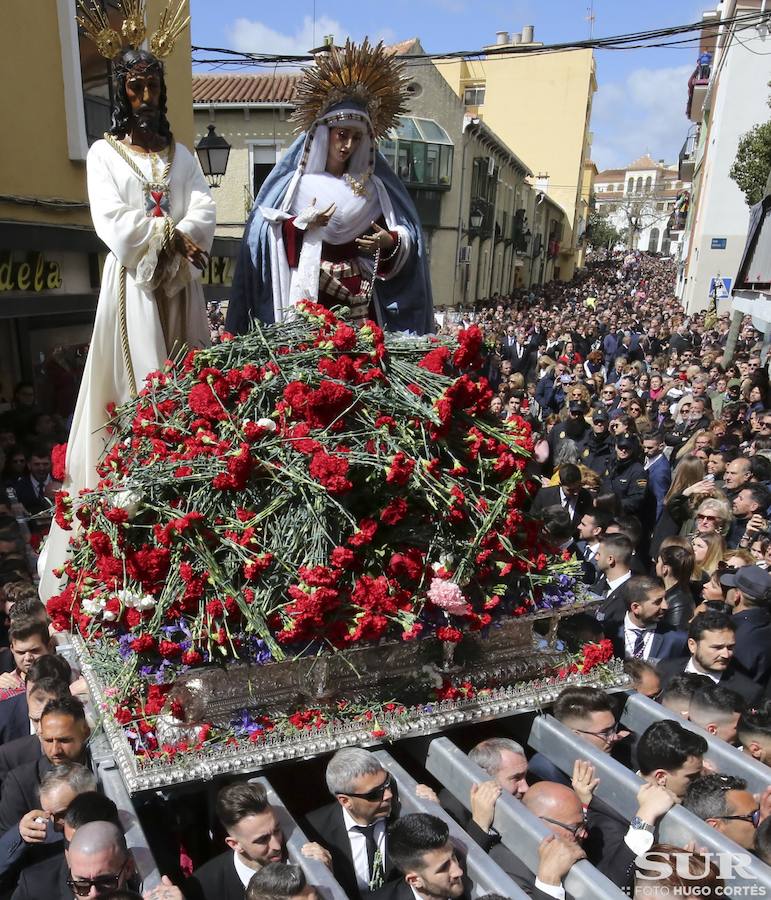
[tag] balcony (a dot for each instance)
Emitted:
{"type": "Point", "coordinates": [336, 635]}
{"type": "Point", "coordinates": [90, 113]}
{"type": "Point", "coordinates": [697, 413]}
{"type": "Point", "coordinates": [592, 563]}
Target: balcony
{"type": "Point", "coordinates": [687, 158]}
{"type": "Point", "coordinates": [697, 92]}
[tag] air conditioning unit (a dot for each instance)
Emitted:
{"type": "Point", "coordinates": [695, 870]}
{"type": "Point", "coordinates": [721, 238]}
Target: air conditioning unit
{"type": "Point", "coordinates": [464, 255]}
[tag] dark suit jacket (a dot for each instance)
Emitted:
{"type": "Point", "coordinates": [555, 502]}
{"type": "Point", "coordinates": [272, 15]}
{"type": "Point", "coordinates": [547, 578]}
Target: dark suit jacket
{"type": "Point", "coordinates": [21, 791]}
{"type": "Point", "coordinates": [491, 844]}
{"type": "Point", "coordinates": [18, 752]}
{"type": "Point", "coordinates": [605, 845]}
{"type": "Point", "coordinates": [327, 827]}
{"type": "Point", "coordinates": [14, 718]}
{"type": "Point", "coordinates": [215, 880]}
{"type": "Point", "coordinates": [45, 879]}
{"type": "Point", "coordinates": [731, 678]}
{"type": "Point", "coordinates": [397, 890]}
{"type": "Point", "coordinates": [659, 480]}
{"type": "Point", "coordinates": [667, 643]}
{"type": "Point", "coordinates": [752, 656]}
{"type": "Point", "coordinates": [550, 496]}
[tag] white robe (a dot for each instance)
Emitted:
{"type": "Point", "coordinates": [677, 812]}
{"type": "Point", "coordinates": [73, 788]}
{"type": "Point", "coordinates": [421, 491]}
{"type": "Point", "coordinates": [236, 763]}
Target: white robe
{"type": "Point", "coordinates": [117, 208]}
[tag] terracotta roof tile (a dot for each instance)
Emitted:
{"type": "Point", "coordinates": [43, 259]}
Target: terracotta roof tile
{"type": "Point", "coordinates": [244, 88]}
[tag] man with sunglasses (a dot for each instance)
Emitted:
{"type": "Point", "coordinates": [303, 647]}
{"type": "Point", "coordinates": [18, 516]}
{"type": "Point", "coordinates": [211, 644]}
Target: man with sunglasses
{"type": "Point", "coordinates": [353, 827]}
{"type": "Point", "coordinates": [724, 803]}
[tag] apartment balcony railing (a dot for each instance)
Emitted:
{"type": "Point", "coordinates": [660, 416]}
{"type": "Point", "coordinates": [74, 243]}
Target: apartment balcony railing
{"type": "Point", "coordinates": [697, 92]}
{"type": "Point", "coordinates": [687, 158]}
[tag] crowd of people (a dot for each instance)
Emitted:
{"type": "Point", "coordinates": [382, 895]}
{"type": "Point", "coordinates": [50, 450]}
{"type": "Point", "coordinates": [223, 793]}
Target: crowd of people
{"type": "Point", "coordinates": [652, 464]}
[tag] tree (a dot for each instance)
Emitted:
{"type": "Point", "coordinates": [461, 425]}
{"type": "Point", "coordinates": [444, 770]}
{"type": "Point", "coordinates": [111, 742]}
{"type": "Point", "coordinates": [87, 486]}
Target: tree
{"type": "Point", "coordinates": [752, 165]}
{"type": "Point", "coordinates": [600, 232]}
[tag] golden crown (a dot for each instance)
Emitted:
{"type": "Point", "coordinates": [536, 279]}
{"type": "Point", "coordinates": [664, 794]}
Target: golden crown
{"type": "Point", "coordinates": [366, 75]}
{"type": "Point", "coordinates": [94, 21]}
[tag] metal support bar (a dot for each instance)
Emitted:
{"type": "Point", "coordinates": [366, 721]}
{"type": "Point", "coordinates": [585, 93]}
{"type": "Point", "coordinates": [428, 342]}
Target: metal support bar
{"type": "Point", "coordinates": [640, 713]}
{"type": "Point", "coordinates": [486, 876]}
{"type": "Point", "coordinates": [521, 832]}
{"type": "Point", "coordinates": [114, 788]}
{"type": "Point", "coordinates": [316, 872]}
{"type": "Point", "coordinates": [618, 788]}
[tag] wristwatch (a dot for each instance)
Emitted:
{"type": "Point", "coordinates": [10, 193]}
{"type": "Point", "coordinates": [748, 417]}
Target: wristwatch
{"type": "Point", "coordinates": [639, 825]}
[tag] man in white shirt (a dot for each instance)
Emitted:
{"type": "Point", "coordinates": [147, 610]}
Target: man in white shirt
{"type": "Point", "coordinates": [613, 563]}
{"type": "Point", "coordinates": [254, 838]}
{"type": "Point", "coordinates": [353, 827]}
{"type": "Point", "coordinates": [644, 634]}
{"type": "Point", "coordinates": [422, 851]}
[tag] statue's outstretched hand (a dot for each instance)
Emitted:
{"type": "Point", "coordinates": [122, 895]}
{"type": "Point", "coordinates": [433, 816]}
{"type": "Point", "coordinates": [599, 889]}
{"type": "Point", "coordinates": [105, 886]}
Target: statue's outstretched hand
{"type": "Point", "coordinates": [322, 217]}
{"type": "Point", "coordinates": [190, 250]}
{"type": "Point", "coordinates": [378, 238]}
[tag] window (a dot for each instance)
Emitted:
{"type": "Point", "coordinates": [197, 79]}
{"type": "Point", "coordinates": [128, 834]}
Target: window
{"type": "Point", "coordinates": [420, 152]}
{"type": "Point", "coordinates": [620, 187]}
{"type": "Point", "coordinates": [648, 183]}
{"type": "Point", "coordinates": [638, 189]}
{"type": "Point", "coordinates": [263, 161]}
{"type": "Point", "coordinates": [630, 186]}
{"type": "Point", "coordinates": [612, 207]}
{"type": "Point", "coordinates": [96, 76]}
{"type": "Point", "coordinates": [660, 206]}
{"type": "Point", "coordinates": [653, 240]}
{"type": "Point", "coordinates": [474, 95]}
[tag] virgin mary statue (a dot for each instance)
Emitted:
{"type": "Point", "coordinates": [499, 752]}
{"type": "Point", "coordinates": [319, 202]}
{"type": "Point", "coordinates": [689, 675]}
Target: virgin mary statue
{"type": "Point", "coordinates": [332, 222]}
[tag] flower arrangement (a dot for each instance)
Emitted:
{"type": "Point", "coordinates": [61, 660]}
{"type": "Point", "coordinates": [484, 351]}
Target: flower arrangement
{"type": "Point", "coordinates": [305, 489]}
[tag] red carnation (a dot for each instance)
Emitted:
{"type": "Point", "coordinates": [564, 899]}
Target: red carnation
{"type": "Point", "coordinates": [394, 512]}
{"type": "Point", "coordinates": [400, 470]}
{"type": "Point", "coordinates": [331, 471]}
{"type": "Point", "coordinates": [58, 459]}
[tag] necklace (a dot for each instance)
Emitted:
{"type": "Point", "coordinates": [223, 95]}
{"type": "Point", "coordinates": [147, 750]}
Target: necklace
{"type": "Point", "coordinates": [357, 185]}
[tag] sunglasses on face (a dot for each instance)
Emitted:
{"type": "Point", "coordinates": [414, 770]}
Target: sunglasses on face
{"type": "Point", "coordinates": [81, 887]}
{"type": "Point", "coordinates": [377, 793]}
{"type": "Point", "coordinates": [705, 518]}
{"type": "Point", "coordinates": [753, 817]}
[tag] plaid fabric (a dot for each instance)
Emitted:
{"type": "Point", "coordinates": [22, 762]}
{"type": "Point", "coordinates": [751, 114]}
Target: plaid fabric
{"type": "Point", "coordinates": [336, 281]}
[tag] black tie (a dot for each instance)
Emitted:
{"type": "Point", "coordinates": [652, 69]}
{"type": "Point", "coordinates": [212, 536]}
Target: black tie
{"type": "Point", "coordinates": [374, 858]}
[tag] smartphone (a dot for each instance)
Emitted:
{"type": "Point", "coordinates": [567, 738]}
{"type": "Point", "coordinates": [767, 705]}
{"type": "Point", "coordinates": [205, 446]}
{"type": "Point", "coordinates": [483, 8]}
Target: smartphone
{"type": "Point", "coordinates": [709, 478]}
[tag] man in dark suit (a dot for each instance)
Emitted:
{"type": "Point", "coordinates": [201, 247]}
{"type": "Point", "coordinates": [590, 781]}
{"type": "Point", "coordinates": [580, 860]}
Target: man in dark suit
{"type": "Point", "coordinates": [254, 839]}
{"type": "Point", "coordinates": [752, 590]}
{"type": "Point", "coordinates": [353, 826]}
{"type": "Point", "coordinates": [569, 494]}
{"type": "Point", "coordinates": [47, 679]}
{"type": "Point", "coordinates": [31, 488]}
{"type": "Point", "coordinates": [515, 347]}
{"type": "Point", "coordinates": [64, 734]}
{"type": "Point", "coordinates": [49, 877]}
{"type": "Point", "coordinates": [420, 847]}
{"type": "Point", "coordinates": [505, 762]}
{"type": "Point", "coordinates": [643, 633]}
{"type": "Point", "coordinates": [659, 477]}
{"type": "Point", "coordinates": [711, 643]}
{"type": "Point", "coordinates": [612, 561]}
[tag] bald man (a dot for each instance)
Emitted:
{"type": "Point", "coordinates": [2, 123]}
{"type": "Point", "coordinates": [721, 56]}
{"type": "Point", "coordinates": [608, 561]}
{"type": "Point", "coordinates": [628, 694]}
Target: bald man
{"type": "Point", "coordinates": [99, 859]}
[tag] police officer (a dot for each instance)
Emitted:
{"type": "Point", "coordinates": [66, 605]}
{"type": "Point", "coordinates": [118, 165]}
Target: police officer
{"type": "Point", "coordinates": [574, 428]}
{"type": "Point", "coordinates": [626, 476]}
{"type": "Point", "coordinates": [598, 447]}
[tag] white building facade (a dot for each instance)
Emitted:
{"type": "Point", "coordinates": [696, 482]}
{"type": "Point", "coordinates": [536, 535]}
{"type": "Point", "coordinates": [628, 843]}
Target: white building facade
{"type": "Point", "coordinates": [727, 95]}
{"type": "Point", "coordinates": [640, 201]}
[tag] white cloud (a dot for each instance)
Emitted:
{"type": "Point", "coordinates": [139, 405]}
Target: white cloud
{"type": "Point", "coordinates": [250, 36]}
{"type": "Point", "coordinates": [644, 113]}
{"type": "Point", "coordinates": [254, 37]}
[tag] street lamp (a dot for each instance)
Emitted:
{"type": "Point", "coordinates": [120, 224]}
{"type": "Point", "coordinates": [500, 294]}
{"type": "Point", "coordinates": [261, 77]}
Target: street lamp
{"type": "Point", "coordinates": [213, 152]}
{"type": "Point", "coordinates": [476, 218]}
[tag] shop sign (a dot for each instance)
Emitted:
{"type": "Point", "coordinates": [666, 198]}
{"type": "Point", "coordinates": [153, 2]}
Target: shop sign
{"type": "Point", "coordinates": [219, 271]}
{"type": "Point", "coordinates": [35, 273]}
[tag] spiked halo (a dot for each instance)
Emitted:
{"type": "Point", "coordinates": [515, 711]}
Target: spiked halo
{"type": "Point", "coordinates": [368, 76]}
{"type": "Point", "coordinates": [94, 21]}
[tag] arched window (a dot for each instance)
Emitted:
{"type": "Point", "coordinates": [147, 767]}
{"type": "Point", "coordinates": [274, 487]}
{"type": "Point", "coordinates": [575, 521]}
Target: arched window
{"type": "Point", "coordinates": [653, 241]}
{"type": "Point", "coordinates": [639, 185]}
{"type": "Point", "coordinates": [648, 184]}
{"type": "Point", "coordinates": [630, 186]}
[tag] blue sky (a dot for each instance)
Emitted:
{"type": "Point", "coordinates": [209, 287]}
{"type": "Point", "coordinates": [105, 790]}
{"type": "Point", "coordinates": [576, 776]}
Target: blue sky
{"type": "Point", "coordinates": [640, 103]}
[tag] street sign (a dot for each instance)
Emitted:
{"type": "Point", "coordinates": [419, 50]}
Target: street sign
{"type": "Point", "coordinates": [723, 288]}
{"type": "Point", "coordinates": [718, 243]}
